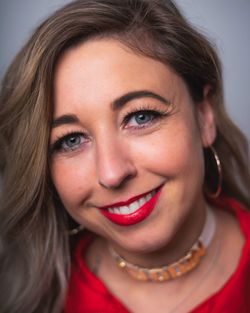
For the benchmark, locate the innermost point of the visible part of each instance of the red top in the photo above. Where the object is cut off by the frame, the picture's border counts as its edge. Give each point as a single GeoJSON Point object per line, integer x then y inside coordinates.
{"type": "Point", "coordinates": [88, 294]}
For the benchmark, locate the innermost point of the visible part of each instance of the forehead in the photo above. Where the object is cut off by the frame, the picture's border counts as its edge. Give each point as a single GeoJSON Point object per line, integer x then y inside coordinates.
{"type": "Point", "coordinates": [101, 70]}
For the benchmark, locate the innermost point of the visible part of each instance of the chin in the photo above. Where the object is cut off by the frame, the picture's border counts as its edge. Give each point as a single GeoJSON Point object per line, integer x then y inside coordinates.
{"type": "Point", "coordinates": [145, 242]}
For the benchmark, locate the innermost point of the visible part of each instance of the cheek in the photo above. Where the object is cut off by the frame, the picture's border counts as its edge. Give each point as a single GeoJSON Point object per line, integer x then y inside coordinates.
{"type": "Point", "coordinates": [171, 153]}
{"type": "Point", "coordinates": [69, 177]}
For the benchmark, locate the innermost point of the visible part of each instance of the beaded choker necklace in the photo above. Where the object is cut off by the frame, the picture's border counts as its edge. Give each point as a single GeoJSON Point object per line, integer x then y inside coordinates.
{"type": "Point", "coordinates": [168, 272]}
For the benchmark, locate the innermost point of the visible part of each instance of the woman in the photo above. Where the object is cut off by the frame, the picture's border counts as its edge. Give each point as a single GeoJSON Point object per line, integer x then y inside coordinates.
{"type": "Point", "coordinates": [112, 117]}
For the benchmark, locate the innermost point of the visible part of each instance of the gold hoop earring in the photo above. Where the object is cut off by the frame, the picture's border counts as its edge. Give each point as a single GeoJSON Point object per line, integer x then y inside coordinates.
{"type": "Point", "coordinates": [213, 173]}
{"type": "Point", "coordinates": [75, 230]}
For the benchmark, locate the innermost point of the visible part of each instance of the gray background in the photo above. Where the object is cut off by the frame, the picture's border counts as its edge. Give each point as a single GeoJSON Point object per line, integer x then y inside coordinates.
{"type": "Point", "coordinates": [226, 22]}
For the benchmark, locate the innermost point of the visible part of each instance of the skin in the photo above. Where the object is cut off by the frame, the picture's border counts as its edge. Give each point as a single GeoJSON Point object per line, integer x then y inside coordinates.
{"type": "Point", "coordinates": [114, 159]}
{"type": "Point", "coordinates": [119, 161]}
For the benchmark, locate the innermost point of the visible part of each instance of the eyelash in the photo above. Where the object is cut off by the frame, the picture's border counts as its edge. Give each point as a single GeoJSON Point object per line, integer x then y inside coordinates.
{"type": "Point", "coordinates": [155, 114]}
{"type": "Point", "coordinates": [57, 146]}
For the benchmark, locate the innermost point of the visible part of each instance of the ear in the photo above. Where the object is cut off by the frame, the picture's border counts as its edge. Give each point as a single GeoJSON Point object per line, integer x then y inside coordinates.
{"type": "Point", "coordinates": [206, 119]}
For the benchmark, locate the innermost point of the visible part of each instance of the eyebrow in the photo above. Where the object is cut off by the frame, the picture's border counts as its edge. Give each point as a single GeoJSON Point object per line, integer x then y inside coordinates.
{"type": "Point", "coordinates": [120, 102]}
{"type": "Point", "coordinates": [116, 104]}
{"type": "Point", "coordinates": [64, 120]}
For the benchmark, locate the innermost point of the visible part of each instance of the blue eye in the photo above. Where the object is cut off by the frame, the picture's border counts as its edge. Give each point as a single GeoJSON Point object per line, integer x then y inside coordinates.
{"type": "Point", "coordinates": [142, 118]}
{"type": "Point", "coordinates": [69, 142]}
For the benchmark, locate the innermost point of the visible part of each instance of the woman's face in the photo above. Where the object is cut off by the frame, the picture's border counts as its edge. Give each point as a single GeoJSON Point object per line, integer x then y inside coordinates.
{"type": "Point", "coordinates": [127, 144]}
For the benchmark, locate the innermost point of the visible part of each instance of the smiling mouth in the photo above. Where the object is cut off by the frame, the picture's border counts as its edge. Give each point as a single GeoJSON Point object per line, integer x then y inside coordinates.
{"type": "Point", "coordinates": [132, 211]}
{"type": "Point", "coordinates": [133, 207]}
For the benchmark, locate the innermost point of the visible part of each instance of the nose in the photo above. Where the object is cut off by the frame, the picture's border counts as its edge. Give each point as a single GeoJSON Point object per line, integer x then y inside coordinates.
{"type": "Point", "coordinates": [114, 164]}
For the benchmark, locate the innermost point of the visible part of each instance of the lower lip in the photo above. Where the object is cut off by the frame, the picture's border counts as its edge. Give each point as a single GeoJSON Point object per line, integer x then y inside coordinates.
{"type": "Point", "coordinates": [136, 217]}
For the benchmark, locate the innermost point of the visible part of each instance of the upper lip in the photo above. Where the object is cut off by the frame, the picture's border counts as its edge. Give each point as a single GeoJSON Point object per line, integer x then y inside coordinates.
{"type": "Point", "coordinates": [127, 202]}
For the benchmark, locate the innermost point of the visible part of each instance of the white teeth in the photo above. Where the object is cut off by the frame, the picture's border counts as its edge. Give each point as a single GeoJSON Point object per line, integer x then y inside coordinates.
{"type": "Point", "coordinates": [133, 206]}
{"type": "Point", "coordinates": [116, 210]}
{"type": "Point", "coordinates": [142, 201]}
{"type": "Point", "coordinates": [124, 210]}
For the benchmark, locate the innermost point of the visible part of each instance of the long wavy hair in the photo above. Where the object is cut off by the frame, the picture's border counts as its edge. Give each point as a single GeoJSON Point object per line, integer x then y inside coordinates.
{"type": "Point", "coordinates": [34, 245]}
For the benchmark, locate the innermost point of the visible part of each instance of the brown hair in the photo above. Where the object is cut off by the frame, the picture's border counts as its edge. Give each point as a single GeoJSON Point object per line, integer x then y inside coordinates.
{"type": "Point", "coordinates": [34, 248]}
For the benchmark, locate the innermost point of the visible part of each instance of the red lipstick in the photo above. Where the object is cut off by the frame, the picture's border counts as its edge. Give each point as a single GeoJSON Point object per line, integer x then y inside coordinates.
{"type": "Point", "coordinates": [132, 218]}
{"type": "Point", "coordinates": [125, 202]}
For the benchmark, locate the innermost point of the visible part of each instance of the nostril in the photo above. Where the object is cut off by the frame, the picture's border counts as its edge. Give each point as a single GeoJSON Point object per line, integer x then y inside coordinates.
{"type": "Point", "coordinates": [115, 176]}
{"type": "Point", "coordinates": [116, 183]}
